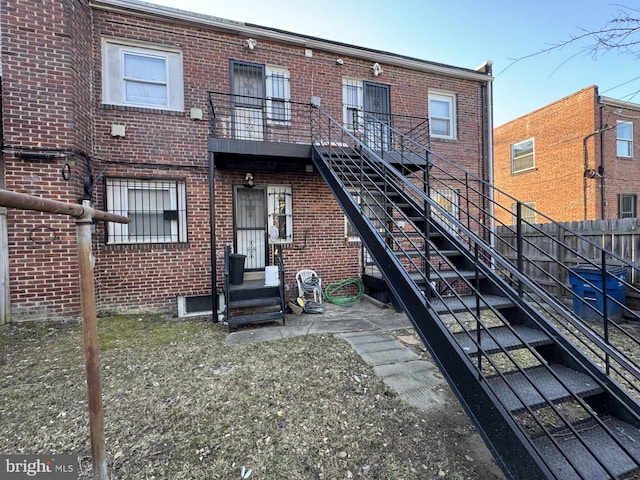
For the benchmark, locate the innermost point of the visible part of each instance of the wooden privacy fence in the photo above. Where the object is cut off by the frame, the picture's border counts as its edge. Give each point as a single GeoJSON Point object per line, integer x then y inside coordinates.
{"type": "Point", "coordinates": [546, 247]}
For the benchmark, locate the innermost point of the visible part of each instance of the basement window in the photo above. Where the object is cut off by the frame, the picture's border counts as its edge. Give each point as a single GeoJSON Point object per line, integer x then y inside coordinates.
{"type": "Point", "coordinates": [156, 210]}
{"type": "Point", "coordinates": [195, 305]}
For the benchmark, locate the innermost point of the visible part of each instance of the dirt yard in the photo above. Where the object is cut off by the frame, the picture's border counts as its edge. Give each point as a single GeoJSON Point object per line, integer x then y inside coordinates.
{"type": "Point", "coordinates": [180, 404]}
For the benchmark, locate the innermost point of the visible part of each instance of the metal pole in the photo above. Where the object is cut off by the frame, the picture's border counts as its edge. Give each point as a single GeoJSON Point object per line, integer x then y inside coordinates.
{"type": "Point", "coordinates": [85, 216]}
{"type": "Point", "coordinates": [92, 360]}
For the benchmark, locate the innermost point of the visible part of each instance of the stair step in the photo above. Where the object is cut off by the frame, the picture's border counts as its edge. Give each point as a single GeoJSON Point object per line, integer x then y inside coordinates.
{"type": "Point", "coordinates": [540, 379]}
{"type": "Point", "coordinates": [254, 302]}
{"type": "Point", "coordinates": [255, 318]}
{"type": "Point", "coordinates": [598, 440]}
{"type": "Point", "coordinates": [502, 338]}
{"type": "Point", "coordinates": [468, 302]}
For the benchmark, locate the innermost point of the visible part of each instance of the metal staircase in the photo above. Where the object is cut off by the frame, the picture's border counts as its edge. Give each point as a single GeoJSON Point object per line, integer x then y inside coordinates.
{"type": "Point", "coordinates": [552, 396]}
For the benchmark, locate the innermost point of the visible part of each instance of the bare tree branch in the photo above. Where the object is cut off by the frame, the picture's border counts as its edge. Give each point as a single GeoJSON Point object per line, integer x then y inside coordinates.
{"type": "Point", "coordinates": [620, 34]}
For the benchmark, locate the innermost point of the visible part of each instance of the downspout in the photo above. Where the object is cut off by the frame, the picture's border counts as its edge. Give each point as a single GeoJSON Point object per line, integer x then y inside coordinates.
{"type": "Point", "coordinates": [487, 67]}
{"type": "Point", "coordinates": [601, 170]}
{"type": "Point", "coordinates": [585, 159]}
{"type": "Point", "coordinates": [212, 239]}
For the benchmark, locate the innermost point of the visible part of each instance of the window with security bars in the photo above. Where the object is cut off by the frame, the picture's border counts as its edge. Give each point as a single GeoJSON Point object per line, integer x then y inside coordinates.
{"type": "Point", "coordinates": [280, 211]}
{"type": "Point", "coordinates": [278, 95]}
{"type": "Point", "coordinates": [156, 210]}
{"type": "Point", "coordinates": [627, 205]}
{"type": "Point", "coordinates": [353, 104]}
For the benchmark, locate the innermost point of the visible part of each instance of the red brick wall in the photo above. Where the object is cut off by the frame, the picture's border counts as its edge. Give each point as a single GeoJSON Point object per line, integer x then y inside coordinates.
{"type": "Point", "coordinates": [46, 50]}
{"type": "Point", "coordinates": [557, 184]}
{"type": "Point", "coordinates": [622, 174]}
{"type": "Point", "coordinates": [51, 102]}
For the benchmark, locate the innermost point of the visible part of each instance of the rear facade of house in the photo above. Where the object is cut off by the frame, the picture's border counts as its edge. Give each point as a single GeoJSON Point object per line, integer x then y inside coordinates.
{"type": "Point", "coordinates": [198, 129]}
{"type": "Point", "coordinates": [572, 160]}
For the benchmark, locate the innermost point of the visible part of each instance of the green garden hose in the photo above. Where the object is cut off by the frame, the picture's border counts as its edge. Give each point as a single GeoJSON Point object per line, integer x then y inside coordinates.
{"type": "Point", "coordinates": [331, 289]}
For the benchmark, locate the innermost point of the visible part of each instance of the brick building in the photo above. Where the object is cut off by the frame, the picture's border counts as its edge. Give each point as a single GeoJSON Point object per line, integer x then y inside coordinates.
{"type": "Point", "coordinates": [571, 160]}
{"type": "Point", "coordinates": [198, 129]}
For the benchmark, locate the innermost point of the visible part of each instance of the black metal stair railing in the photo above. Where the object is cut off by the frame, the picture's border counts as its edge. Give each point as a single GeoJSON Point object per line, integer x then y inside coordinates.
{"type": "Point", "coordinates": [387, 194]}
{"type": "Point", "coordinates": [482, 208]}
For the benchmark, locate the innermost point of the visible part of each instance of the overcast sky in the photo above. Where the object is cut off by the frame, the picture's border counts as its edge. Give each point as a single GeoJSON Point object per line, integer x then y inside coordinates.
{"type": "Point", "coordinates": [463, 33]}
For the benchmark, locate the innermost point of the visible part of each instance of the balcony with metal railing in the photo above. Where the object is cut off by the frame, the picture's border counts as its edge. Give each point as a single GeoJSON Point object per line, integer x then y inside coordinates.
{"type": "Point", "coordinates": [246, 125]}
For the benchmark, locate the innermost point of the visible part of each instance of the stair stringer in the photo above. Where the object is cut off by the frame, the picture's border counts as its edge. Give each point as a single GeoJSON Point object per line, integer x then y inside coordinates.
{"type": "Point", "coordinates": [516, 455]}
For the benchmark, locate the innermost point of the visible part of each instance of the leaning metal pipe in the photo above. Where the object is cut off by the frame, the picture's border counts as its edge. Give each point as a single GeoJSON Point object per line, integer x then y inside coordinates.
{"type": "Point", "coordinates": [84, 215]}
{"type": "Point", "coordinates": [29, 202]}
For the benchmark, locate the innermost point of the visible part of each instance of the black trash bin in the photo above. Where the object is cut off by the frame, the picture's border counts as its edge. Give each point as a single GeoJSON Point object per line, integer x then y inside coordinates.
{"type": "Point", "coordinates": [236, 268]}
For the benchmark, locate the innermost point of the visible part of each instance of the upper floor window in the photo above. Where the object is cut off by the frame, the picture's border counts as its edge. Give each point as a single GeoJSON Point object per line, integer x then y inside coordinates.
{"type": "Point", "coordinates": [141, 75]}
{"type": "Point", "coordinates": [624, 139]}
{"type": "Point", "coordinates": [442, 115]}
{"type": "Point", "coordinates": [522, 156]}
{"type": "Point", "coordinates": [156, 210]}
{"type": "Point", "coordinates": [352, 104]}
{"type": "Point", "coordinates": [627, 205]}
{"type": "Point", "coordinates": [278, 94]}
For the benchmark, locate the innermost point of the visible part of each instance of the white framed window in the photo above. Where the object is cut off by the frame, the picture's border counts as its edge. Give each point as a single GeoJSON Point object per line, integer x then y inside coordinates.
{"type": "Point", "coordinates": [280, 213]}
{"type": "Point", "coordinates": [352, 104]}
{"type": "Point", "coordinates": [527, 212]}
{"type": "Point", "coordinates": [624, 139]}
{"type": "Point", "coordinates": [522, 156]}
{"type": "Point", "coordinates": [141, 75]}
{"type": "Point", "coordinates": [278, 94]}
{"type": "Point", "coordinates": [442, 115]}
{"type": "Point", "coordinates": [156, 210]}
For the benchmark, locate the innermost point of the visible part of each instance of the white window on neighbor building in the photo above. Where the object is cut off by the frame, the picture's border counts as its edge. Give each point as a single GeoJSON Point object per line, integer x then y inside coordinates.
{"type": "Point", "coordinates": [280, 213]}
{"type": "Point", "coordinates": [141, 75]}
{"type": "Point", "coordinates": [442, 115]}
{"type": "Point", "coordinates": [352, 104]}
{"type": "Point", "coordinates": [624, 139]}
{"type": "Point", "coordinates": [527, 212]}
{"type": "Point", "coordinates": [156, 210]}
{"type": "Point", "coordinates": [278, 94]}
{"type": "Point", "coordinates": [522, 156]}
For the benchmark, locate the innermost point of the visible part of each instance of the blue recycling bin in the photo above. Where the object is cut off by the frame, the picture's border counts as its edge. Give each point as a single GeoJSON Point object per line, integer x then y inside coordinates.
{"type": "Point", "coordinates": [588, 303]}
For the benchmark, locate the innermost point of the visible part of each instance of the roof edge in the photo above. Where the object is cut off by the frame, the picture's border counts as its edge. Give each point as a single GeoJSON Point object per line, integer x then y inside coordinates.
{"type": "Point", "coordinates": [151, 11]}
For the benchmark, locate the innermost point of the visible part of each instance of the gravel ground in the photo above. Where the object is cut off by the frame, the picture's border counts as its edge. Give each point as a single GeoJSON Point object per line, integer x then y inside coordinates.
{"type": "Point", "coordinates": [180, 404]}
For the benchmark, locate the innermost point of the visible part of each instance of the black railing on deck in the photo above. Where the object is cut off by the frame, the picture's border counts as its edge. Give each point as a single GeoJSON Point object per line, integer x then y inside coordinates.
{"type": "Point", "coordinates": [241, 117]}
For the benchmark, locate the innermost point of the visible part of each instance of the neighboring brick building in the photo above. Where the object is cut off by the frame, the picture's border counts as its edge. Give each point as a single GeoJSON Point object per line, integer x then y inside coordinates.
{"type": "Point", "coordinates": [572, 160]}
{"type": "Point", "coordinates": [110, 100]}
